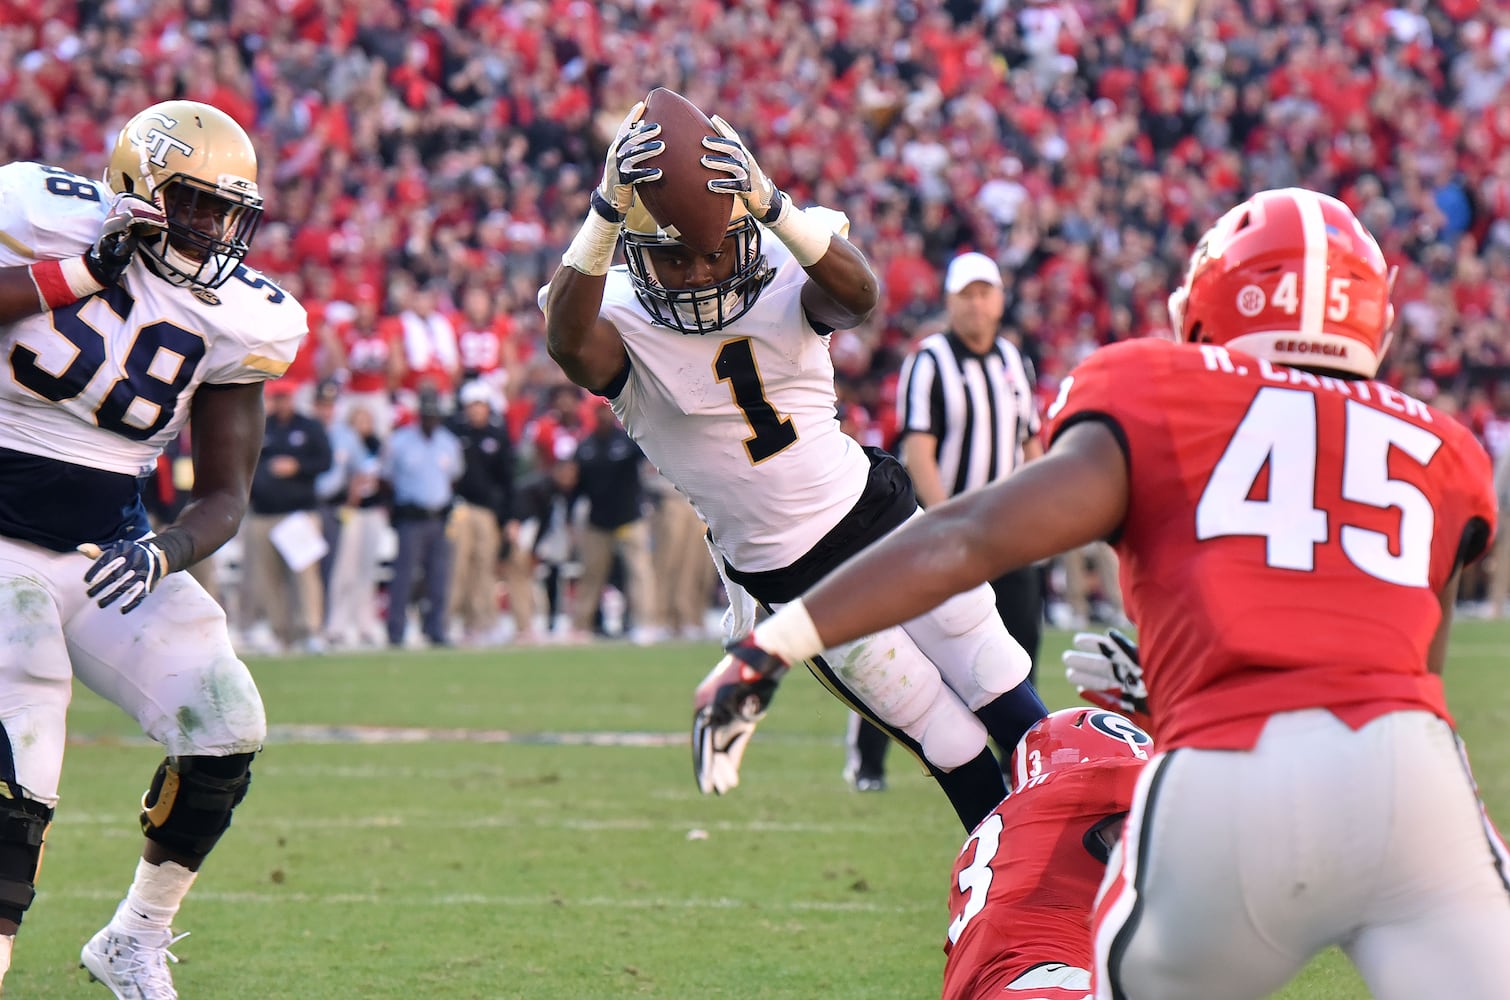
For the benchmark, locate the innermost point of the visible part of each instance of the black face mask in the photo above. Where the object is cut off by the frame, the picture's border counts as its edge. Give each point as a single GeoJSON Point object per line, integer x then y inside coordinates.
{"type": "Point", "coordinates": [194, 252]}
{"type": "Point", "coordinates": [699, 310]}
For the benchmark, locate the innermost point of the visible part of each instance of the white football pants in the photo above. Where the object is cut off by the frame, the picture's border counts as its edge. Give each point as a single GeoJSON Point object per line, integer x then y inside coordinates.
{"type": "Point", "coordinates": [926, 678]}
{"type": "Point", "coordinates": [168, 664]}
{"type": "Point", "coordinates": [1237, 867]}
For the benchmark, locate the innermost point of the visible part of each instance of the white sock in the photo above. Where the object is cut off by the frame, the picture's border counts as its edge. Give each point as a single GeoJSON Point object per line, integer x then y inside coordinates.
{"type": "Point", "coordinates": [7, 942]}
{"type": "Point", "coordinates": [155, 896]}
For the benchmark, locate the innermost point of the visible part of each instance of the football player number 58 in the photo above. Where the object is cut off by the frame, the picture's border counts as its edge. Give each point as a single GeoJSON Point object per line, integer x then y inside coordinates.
{"type": "Point", "coordinates": [1279, 431]}
{"type": "Point", "coordinates": [159, 362]}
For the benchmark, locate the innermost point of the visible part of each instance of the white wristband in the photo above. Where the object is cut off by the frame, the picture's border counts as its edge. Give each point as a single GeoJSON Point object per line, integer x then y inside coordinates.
{"type": "Point", "coordinates": [806, 237]}
{"type": "Point", "coordinates": [790, 634]}
{"type": "Point", "coordinates": [62, 282]}
{"type": "Point", "coordinates": [591, 250]}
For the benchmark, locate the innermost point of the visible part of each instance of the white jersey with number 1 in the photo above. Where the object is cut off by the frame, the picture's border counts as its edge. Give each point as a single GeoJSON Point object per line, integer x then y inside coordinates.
{"type": "Point", "coordinates": [744, 420]}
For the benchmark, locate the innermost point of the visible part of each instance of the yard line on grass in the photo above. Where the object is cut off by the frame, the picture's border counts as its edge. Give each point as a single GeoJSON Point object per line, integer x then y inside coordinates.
{"type": "Point", "coordinates": [328, 735]}
{"type": "Point", "coordinates": [310, 735]}
{"type": "Point", "coordinates": [444, 900]}
{"type": "Point", "coordinates": [421, 821]}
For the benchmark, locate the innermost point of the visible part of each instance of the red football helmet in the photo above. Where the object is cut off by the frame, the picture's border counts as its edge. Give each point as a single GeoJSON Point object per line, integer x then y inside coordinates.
{"type": "Point", "coordinates": [1074, 736]}
{"type": "Point", "coordinates": [1290, 276]}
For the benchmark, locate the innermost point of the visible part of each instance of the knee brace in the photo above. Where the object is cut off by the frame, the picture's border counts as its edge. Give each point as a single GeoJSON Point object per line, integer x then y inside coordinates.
{"type": "Point", "coordinates": [189, 804]}
{"type": "Point", "coordinates": [23, 827]}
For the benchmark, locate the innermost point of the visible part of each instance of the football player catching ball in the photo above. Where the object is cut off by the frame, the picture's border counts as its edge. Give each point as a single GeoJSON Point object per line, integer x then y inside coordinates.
{"type": "Point", "coordinates": [717, 364]}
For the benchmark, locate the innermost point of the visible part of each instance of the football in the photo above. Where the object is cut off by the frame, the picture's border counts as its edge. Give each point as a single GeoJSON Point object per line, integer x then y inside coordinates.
{"type": "Point", "coordinates": [680, 201]}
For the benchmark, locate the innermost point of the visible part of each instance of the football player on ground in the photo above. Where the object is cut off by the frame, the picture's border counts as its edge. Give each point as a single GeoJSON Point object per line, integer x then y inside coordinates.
{"type": "Point", "coordinates": [718, 366]}
{"type": "Point", "coordinates": [1292, 535]}
{"type": "Point", "coordinates": [126, 312]}
{"type": "Point", "coordinates": [1024, 884]}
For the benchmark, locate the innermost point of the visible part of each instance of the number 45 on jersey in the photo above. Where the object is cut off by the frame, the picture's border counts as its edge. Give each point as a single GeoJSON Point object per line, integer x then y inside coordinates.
{"type": "Point", "coordinates": [1279, 432]}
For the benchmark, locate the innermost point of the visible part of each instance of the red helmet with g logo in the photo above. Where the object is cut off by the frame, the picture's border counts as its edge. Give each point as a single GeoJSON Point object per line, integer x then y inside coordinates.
{"type": "Point", "coordinates": [1072, 737]}
{"type": "Point", "coordinates": [1290, 276]}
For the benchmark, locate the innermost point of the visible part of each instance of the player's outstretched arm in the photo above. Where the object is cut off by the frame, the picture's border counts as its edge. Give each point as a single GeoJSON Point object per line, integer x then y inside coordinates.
{"type": "Point", "coordinates": [588, 348]}
{"type": "Point", "coordinates": [1074, 495]}
{"type": "Point", "coordinates": [228, 426]}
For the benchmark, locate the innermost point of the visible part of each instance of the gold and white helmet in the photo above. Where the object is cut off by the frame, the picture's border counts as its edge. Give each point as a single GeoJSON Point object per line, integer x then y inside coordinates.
{"type": "Point", "coordinates": [694, 310]}
{"type": "Point", "coordinates": [199, 167]}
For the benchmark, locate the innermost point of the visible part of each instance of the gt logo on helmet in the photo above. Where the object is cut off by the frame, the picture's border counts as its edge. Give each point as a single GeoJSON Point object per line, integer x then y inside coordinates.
{"type": "Point", "coordinates": [158, 143]}
{"type": "Point", "coordinates": [155, 142]}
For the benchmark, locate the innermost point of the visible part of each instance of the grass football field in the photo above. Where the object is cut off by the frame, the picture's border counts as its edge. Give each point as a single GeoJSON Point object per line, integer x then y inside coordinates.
{"type": "Point", "coordinates": [517, 824]}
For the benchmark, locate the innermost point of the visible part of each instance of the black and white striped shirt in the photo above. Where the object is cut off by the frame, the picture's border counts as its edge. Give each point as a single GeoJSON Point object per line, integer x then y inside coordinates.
{"type": "Point", "coordinates": [979, 406]}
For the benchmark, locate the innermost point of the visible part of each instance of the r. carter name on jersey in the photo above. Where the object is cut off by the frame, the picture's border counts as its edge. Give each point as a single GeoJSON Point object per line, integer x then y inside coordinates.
{"type": "Point", "coordinates": [1218, 360]}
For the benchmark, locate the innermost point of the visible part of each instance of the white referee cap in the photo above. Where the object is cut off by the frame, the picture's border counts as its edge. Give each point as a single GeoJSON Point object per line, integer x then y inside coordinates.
{"type": "Point", "coordinates": [968, 268]}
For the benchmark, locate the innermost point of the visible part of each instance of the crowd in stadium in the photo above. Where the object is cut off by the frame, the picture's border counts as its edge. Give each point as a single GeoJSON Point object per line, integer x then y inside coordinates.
{"type": "Point", "coordinates": [425, 163]}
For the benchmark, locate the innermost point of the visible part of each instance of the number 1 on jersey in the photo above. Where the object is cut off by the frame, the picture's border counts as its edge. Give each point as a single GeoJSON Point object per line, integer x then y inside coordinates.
{"type": "Point", "coordinates": [772, 433]}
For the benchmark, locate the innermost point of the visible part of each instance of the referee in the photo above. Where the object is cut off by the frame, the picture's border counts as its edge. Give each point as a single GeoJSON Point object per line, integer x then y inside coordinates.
{"type": "Point", "coordinates": [967, 417]}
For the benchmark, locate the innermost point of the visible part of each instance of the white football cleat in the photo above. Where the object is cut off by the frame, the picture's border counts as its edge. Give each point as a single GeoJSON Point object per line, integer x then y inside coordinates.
{"type": "Point", "coordinates": [132, 964]}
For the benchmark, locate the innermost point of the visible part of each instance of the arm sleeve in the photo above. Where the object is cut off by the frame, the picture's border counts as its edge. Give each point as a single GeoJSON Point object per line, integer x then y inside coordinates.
{"type": "Point", "coordinates": [264, 340]}
{"type": "Point", "coordinates": [37, 223]}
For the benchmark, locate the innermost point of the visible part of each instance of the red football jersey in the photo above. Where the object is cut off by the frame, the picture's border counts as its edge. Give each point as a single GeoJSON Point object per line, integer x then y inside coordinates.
{"type": "Point", "coordinates": [1286, 537]}
{"type": "Point", "coordinates": [1024, 884]}
{"type": "Point", "coordinates": [367, 354]}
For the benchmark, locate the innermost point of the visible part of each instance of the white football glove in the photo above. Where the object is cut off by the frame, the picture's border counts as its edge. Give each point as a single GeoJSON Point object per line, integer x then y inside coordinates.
{"type": "Point", "coordinates": [746, 181]}
{"type": "Point", "coordinates": [130, 220]}
{"type": "Point", "coordinates": [633, 146]}
{"type": "Point", "coordinates": [728, 704]}
{"type": "Point", "coordinates": [1106, 672]}
{"type": "Point", "coordinates": [125, 571]}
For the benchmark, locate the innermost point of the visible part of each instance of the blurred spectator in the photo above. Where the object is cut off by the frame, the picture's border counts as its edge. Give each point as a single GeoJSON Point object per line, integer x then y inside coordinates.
{"type": "Point", "coordinates": [421, 462]}
{"type": "Point", "coordinates": [557, 430]}
{"type": "Point", "coordinates": [609, 467]}
{"type": "Point", "coordinates": [1089, 571]}
{"type": "Point", "coordinates": [331, 485]}
{"type": "Point", "coordinates": [683, 566]}
{"type": "Point", "coordinates": [282, 541]}
{"type": "Point", "coordinates": [353, 618]}
{"type": "Point", "coordinates": [371, 362]}
{"type": "Point", "coordinates": [430, 353]}
{"type": "Point", "coordinates": [543, 503]}
{"type": "Point", "coordinates": [485, 345]}
{"type": "Point", "coordinates": [482, 516]}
